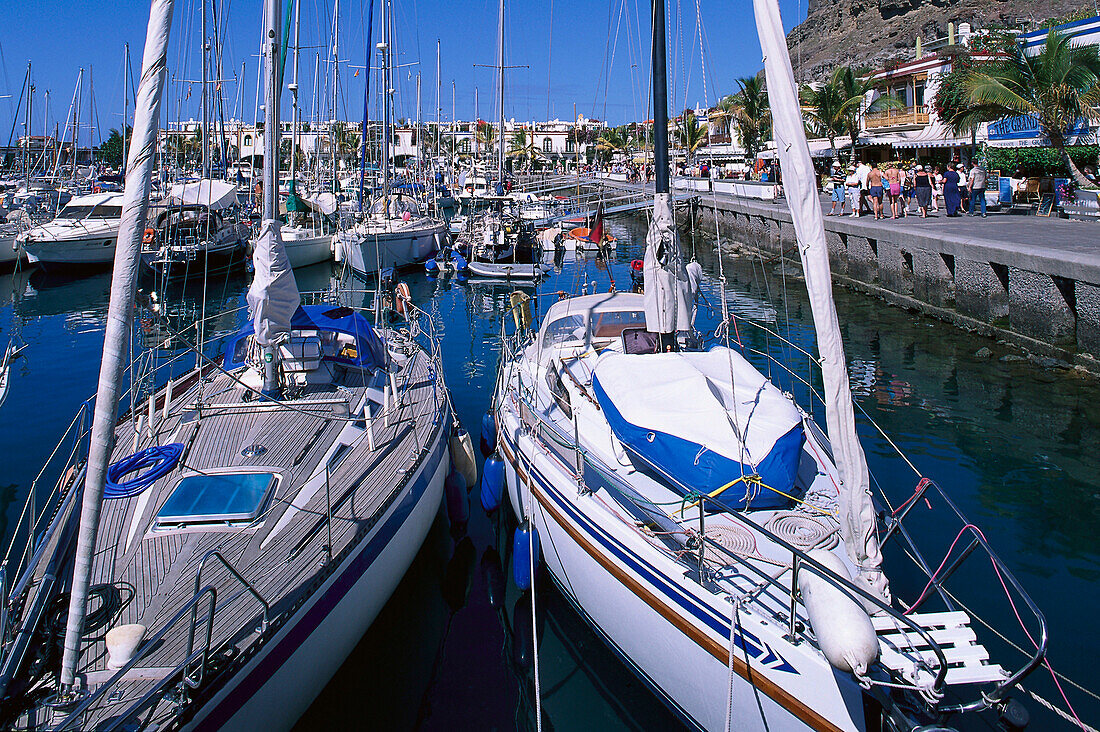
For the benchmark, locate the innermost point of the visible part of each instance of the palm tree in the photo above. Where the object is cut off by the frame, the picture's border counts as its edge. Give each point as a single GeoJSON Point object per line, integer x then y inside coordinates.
{"type": "Point", "coordinates": [751, 115]}
{"type": "Point", "coordinates": [690, 134]}
{"type": "Point", "coordinates": [613, 140]}
{"type": "Point", "coordinates": [853, 87]}
{"type": "Point", "coordinates": [486, 135]}
{"type": "Point", "coordinates": [522, 146]}
{"type": "Point", "coordinates": [823, 107]}
{"type": "Point", "coordinates": [1058, 86]}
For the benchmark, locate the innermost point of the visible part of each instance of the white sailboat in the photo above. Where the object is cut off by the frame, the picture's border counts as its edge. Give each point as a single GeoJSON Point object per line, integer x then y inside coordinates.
{"type": "Point", "coordinates": [393, 231]}
{"type": "Point", "coordinates": [700, 520]}
{"type": "Point", "coordinates": [238, 530]}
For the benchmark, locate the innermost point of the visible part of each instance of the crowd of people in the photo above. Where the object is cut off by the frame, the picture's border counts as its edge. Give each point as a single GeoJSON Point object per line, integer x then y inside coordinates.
{"type": "Point", "coordinates": [898, 191]}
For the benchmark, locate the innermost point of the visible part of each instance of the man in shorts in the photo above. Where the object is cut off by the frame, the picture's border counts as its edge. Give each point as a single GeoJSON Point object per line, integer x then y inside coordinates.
{"type": "Point", "coordinates": [874, 183]}
{"type": "Point", "coordinates": [836, 177]}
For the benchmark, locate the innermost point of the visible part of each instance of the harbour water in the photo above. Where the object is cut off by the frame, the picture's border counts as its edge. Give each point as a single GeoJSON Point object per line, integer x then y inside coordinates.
{"type": "Point", "coordinates": [1015, 445]}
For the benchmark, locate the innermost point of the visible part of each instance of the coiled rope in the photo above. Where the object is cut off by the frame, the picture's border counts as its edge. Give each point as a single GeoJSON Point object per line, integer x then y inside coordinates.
{"type": "Point", "coordinates": [156, 461]}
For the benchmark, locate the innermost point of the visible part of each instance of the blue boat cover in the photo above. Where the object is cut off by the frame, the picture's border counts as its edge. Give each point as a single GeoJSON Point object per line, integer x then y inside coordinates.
{"type": "Point", "coordinates": [701, 421]}
{"type": "Point", "coordinates": [371, 352]}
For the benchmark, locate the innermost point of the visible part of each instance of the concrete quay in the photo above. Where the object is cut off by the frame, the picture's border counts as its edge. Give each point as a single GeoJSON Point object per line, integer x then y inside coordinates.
{"type": "Point", "coordinates": [1028, 280]}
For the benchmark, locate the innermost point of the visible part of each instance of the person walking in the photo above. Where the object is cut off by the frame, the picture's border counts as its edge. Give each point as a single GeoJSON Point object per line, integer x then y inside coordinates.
{"type": "Point", "coordinates": [922, 189]}
{"type": "Point", "coordinates": [951, 195]}
{"type": "Point", "coordinates": [976, 182]}
{"type": "Point", "coordinates": [874, 182]}
{"type": "Point", "coordinates": [863, 171]}
{"type": "Point", "coordinates": [893, 189]}
{"type": "Point", "coordinates": [836, 177]}
{"type": "Point", "coordinates": [937, 187]}
{"type": "Point", "coordinates": [855, 193]}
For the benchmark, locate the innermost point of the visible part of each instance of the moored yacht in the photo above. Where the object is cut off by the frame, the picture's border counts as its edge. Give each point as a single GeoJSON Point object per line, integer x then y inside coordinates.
{"type": "Point", "coordinates": [83, 232]}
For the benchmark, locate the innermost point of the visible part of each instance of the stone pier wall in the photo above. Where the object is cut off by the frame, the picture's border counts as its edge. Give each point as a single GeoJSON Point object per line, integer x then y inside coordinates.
{"type": "Point", "coordinates": [1046, 303]}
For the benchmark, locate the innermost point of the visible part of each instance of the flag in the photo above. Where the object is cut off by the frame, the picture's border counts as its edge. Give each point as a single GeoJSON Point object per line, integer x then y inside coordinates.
{"type": "Point", "coordinates": [596, 234]}
{"type": "Point", "coordinates": [356, 73]}
{"type": "Point", "coordinates": [188, 92]}
{"type": "Point", "coordinates": [218, 87]}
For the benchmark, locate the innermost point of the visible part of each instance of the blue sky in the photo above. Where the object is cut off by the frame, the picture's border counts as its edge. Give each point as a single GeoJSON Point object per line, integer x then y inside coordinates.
{"type": "Point", "coordinates": [592, 54]}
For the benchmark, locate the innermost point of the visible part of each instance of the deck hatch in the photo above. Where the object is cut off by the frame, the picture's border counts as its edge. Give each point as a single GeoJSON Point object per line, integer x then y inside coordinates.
{"type": "Point", "coordinates": [217, 498]}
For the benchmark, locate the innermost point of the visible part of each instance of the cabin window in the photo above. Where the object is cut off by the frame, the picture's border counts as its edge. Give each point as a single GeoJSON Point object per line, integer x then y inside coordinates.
{"type": "Point", "coordinates": [217, 498]}
{"type": "Point", "coordinates": [611, 324]}
{"type": "Point", "coordinates": [568, 328]}
{"type": "Point", "coordinates": [559, 392]}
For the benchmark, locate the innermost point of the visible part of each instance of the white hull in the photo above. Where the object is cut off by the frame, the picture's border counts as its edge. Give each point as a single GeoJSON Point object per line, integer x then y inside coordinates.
{"type": "Point", "coordinates": [95, 249]}
{"type": "Point", "coordinates": [9, 250]}
{"type": "Point", "coordinates": [308, 250]}
{"type": "Point", "coordinates": [288, 686]}
{"type": "Point", "coordinates": [506, 271]}
{"type": "Point", "coordinates": [366, 250]}
{"type": "Point", "coordinates": [674, 636]}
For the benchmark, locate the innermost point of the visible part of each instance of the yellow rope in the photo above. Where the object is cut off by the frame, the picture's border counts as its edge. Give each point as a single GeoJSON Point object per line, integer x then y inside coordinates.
{"type": "Point", "coordinates": [754, 480]}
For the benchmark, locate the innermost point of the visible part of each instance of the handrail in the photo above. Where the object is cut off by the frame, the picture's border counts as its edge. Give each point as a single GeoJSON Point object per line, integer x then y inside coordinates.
{"type": "Point", "coordinates": [216, 554]}
{"type": "Point", "coordinates": [190, 605]}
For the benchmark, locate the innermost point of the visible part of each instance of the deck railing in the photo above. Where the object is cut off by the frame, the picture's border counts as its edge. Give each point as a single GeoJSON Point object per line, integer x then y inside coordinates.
{"type": "Point", "coordinates": [901, 117]}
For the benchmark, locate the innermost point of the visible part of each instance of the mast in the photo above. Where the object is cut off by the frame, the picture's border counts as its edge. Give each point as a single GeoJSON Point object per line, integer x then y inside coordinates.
{"type": "Point", "coordinates": [453, 173]}
{"type": "Point", "coordinates": [335, 86]}
{"type": "Point", "coordinates": [668, 301]}
{"type": "Point", "coordinates": [27, 132]}
{"type": "Point", "coordinates": [383, 48]}
{"type": "Point", "coordinates": [135, 204]}
{"type": "Point", "coordinates": [295, 114]}
{"type": "Point", "coordinates": [205, 102]}
{"type": "Point", "coordinates": [125, 94]}
{"type": "Point", "coordinates": [857, 514]}
{"type": "Point", "coordinates": [438, 109]}
{"type": "Point", "coordinates": [416, 130]}
{"type": "Point", "coordinates": [76, 119]}
{"type": "Point", "coordinates": [366, 108]}
{"type": "Point", "coordinates": [271, 112]}
{"type": "Point", "coordinates": [500, 94]}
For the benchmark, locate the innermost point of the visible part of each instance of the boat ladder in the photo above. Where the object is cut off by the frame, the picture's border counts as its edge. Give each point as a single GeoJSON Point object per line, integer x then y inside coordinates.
{"type": "Point", "coordinates": [908, 654]}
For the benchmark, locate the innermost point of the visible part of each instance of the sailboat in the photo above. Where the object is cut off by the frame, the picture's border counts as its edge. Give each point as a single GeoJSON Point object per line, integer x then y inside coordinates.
{"type": "Point", "coordinates": [229, 539]}
{"type": "Point", "coordinates": [393, 231]}
{"type": "Point", "coordinates": [722, 543]}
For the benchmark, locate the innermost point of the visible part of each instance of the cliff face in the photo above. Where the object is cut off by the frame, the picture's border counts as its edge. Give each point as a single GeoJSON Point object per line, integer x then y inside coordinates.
{"type": "Point", "coordinates": [871, 32]}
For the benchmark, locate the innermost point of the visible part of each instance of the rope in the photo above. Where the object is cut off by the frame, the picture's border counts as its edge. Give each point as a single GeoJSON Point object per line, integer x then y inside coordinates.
{"type": "Point", "coordinates": [159, 459]}
{"type": "Point", "coordinates": [805, 532]}
{"type": "Point", "coordinates": [735, 622]}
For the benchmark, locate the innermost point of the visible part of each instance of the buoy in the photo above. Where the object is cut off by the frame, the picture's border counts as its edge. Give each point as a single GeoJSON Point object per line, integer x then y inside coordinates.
{"type": "Point", "coordinates": [492, 482]}
{"type": "Point", "coordinates": [462, 455]}
{"type": "Point", "coordinates": [525, 547]}
{"type": "Point", "coordinates": [402, 298]}
{"type": "Point", "coordinates": [458, 505]}
{"type": "Point", "coordinates": [488, 434]}
{"type": "Point", "coordinates": [494, 577]}
{"type": "Point", "coordinates": [461, 265]}
{"type": "Point", "coordinates": [458, 575]}
{"type": "Point", "coordinates": [843, 629]}
{"type": "Point", "coordinates": [431, 267]}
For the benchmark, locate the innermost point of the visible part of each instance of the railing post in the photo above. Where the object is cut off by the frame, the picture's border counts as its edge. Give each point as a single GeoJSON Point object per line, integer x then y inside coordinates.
{"type": "Point", "coordinates": [792, 630]}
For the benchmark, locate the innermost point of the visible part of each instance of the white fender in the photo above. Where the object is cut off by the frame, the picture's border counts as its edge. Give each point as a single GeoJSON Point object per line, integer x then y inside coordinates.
{"type": "Point", "coordinates": [462, 455]}
{"type": "Point", "coordinates": [843, 629]}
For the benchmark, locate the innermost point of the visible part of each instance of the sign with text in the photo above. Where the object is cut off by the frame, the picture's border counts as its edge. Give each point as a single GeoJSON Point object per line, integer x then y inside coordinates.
{"type": "Point", "coordinates": [1026, 127]}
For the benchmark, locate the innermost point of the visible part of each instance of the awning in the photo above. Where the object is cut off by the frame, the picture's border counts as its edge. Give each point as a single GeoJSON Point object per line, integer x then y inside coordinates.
{"type": "Point", "coordinates": [213, 194]}
{"type": "Point", "coordinates": [934, 135]}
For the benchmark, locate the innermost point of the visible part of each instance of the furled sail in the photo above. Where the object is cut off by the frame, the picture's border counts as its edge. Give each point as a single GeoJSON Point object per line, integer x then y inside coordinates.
{"type": "Point", "coordinates": [667, 291]}
{"type": "Point", "coordinates": [800, 182]}
{"type": "Point", "coordinates": [273, 296]}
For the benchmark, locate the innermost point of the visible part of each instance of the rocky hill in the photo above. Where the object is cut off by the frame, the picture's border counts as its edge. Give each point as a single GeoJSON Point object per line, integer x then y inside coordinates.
{"type": "Point", "coordinates": [872, 32]}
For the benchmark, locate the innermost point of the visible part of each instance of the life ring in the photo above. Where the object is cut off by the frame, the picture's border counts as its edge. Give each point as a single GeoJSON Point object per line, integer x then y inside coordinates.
{"type": "Point", "coordinates": [149, 236]}
{"type": "Point", "coordinates": [401, 297]}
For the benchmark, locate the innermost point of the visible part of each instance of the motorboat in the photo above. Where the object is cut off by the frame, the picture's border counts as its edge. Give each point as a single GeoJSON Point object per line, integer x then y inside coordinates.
{"type": "Point", "coordinates": [504, 246]}
{"type": "Point", "coordinates": [197, 233]}
{"type": "Point", "coordinates": [84, 232]}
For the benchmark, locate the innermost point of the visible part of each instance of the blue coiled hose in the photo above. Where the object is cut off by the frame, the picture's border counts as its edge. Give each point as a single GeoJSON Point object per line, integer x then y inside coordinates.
{"type": "Point", "coordinates": [156, 461]}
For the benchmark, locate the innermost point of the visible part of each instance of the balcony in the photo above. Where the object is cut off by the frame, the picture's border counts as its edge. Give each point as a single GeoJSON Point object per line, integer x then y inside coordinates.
{"type": "Point", "coordinates": [902, 117]}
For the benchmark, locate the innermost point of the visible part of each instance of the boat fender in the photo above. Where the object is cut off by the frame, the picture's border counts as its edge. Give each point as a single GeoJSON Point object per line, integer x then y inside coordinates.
{"type": "Point", "coordinates": [521, 309]}
{"type": "Point", "coordinates": [492, 483]}
{"type": "Point", "coordinates": [488, 434]}
{"type": "Point", "coordinates": [149, 236]}
{"type": "Point", "coordinates": [460, 262]}
{"type": "Point", "coordinates": [462, 455]}
{"type": "Point", "coordinates": [438, 238]}
{"type": "Point", "coordinates": [843, 629]}
{"type": "Point", "coordinates": [402, 298]}
{"type": "Point", "coordinates": [338, 249]}
{"type": "Point", "coordinates": [431, 266]}
{"type": "Point", "coordinates": [522, 645]}
{"type": "Point", "coordinates": [525, 548]}
{"type": "Point", "coordinates": [494, 577]}
{"type": "Point", "coordinates": [458, 505]}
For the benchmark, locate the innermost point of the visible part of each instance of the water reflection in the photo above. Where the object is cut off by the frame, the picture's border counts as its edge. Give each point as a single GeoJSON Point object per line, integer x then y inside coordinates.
{"type": "Point", "coordinates": [1017, 446]}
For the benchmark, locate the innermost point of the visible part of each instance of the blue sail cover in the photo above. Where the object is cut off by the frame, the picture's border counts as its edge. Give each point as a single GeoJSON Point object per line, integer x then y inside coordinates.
{"type": "Point", "coordinates": [679, 416]}
{"type": "Point", "coordinates": [371, 352]}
